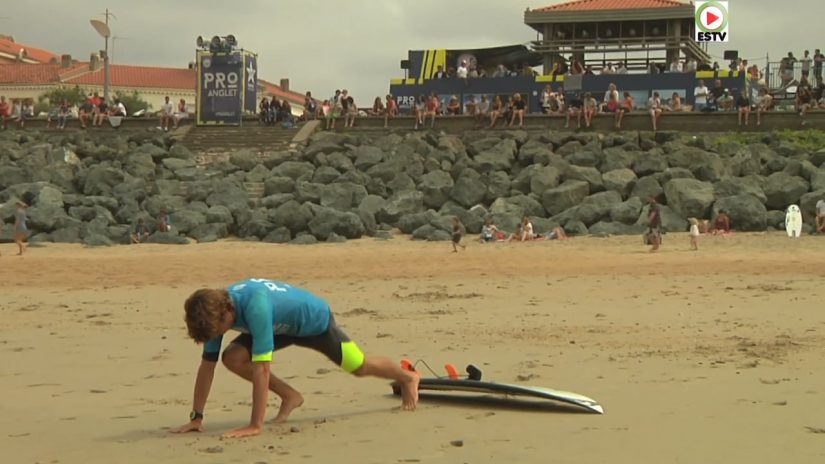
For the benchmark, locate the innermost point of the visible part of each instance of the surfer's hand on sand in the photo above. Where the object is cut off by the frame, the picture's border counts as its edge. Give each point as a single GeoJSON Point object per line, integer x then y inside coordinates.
{"type": "Point", "coordinates": [247, 431]}
{"type": "Point", "coordinates": [194, 426]}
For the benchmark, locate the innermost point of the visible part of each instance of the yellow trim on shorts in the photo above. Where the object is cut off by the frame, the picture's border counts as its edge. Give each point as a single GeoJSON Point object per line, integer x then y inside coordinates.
{"type": "Point", "coordinates": [352, 358]}
{"type": "Point", "coordinates": [266, 357]}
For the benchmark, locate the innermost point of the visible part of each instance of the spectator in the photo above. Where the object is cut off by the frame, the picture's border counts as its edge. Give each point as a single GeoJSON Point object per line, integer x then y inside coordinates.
{"type": "Point", "coordinates": [102, 112]}
{"type": "Point", "coordinates": [378, 108]}
{"type": "Point", "coordinates": [482, 110]}
{"type": "Point", "coordinates": [182, 113]}
{"type": "Point", "coordinates": [691, 66]}
{"type": "Point", "coordinates": [285, 114]}
{"type": "Point", "coordinates": [575, 109]}
{"type": "Point", "coordinates": [764, 104]}
{"type": "Point", "coordinates": [62, 114]}
{"type": "Point", "coordinates": [265, 116]}
{"type": "Point", "coordinates": [803, 101]}
{"type": "Point", "coordinates": [495, 111]}
{"type": "Point", "coordinates": [675, 103]}
{"type": "Point", "coordinates": [167, 111]}
{"type": "Point", "coordinates": [609, 69]}
{"type": "Point", "coordinates": [726, 102]}
{"type": "Point", "coordinates": [96, 102]}
{"type": "Point", "coordinates": [820, 216]}
{"type": "Point", "coordinates": [86, 112]}
{"type": "Point", "coordinates": [556, 71]}
{"type": "Point", "coordinates": [576, 67]}
{"type": "Point", "coordinates": [509, 110]}
{"type": "Point", "coordinates": [141, 232]}
{"type": "Point", "coordinates": [715, 94]}
{"type": "Point", "coordinates": [588, 71]}
{"type": "Point", "coordinates": [627, 106]}
{"type": "Point", "coordinates": [274, 111]}
{"type": "Point", "coordinates": [439, 73]}
{"type": "Point", "coordinates": [310, 107]}
{"type": "Point", "coordinates": [500, 71]}
{"type": "Point", "coordinates": [622, 68]}
{"type": "Point", "coordinates": [590, 109]}
{"type": "Point", "coordinates": [743, 105]}
{"type": "Point", "coordinates": [391, 110]}
{"type": "Point", "coordinates": [431, 106]}
{"type": "Point", "coordinates": [525, 231]}
{"type": "Point", "coordinates": [462, 72]}
{"type": "Point", "coordinates": [327, 112]}
{"type": "Point", "coordinates": [721, 225]}
{"type": "Point", "coordinates": [16, 112]}
{"type": "Point", "coordinates": [458, 231]}
{"type": "Point", "coordinates": [489, 230]}
{"type": "Point", "coordinates": [5, 112]}
{"type": "Point", "coordinates": [715, 67]}
{"type": "Point", "coordinates": [818, 59]}
{"type": "Point", "coordinates": [786, 69]}
{"type": "Point", "coordinates": [546, 96]}
{"type": "Point", "coordinates": [676, 66]}
{"type": "Point", "coordinates": [610, 104]}
{"type": "Point", "coordinates": [337, 108]}
{"type": "Point", "coordinates": [20, 226]}
{"type": "Point", "coordinates": [700, 95]}
{"type": "Point", "coordinates": [118, 109]}
{"type": "Point", "coordinates": [26, 113]}
{"type": "Point", "coordinates": [453, 107]}
{"type": "Point", "coordinates": [805, 63]}
{"type": "Point", "coordinates": [164, 221]}
{"type": "Point", "coordinates": [654, 224]}
{"type": "Point", "coordinates": [482, 73]}
{"type": "Point", "coordinates": [654, 107]}
{"type": "Point", "coordinates": [472, 71]}
{"type": "Point", "coordinates": [420, 111]}
{"type": "Point", "coordinates": [471, 107]}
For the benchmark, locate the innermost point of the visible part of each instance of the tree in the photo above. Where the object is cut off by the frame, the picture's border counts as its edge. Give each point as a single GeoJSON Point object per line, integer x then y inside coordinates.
{"type": "Point", "coordinates": [133, 102]}
{"type": "Point", "coordinates": [52, 98]}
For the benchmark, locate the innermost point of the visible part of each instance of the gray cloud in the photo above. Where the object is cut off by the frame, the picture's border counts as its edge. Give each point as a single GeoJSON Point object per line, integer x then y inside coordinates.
{"type": "Point", "coordinates": [322, 45]}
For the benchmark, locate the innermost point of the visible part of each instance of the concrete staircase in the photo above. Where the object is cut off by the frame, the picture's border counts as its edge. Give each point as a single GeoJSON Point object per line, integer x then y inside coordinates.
{"type": "Point", "coordinates": [214, 143]}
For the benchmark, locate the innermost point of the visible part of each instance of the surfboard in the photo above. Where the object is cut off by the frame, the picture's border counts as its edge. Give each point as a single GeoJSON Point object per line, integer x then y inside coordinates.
{"type": "Point", "coordinates": [793, 221]}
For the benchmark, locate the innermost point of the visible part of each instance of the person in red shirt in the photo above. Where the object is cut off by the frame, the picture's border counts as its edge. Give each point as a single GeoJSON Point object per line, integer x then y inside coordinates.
{"type": "Point", "coordinates": [4, 112]}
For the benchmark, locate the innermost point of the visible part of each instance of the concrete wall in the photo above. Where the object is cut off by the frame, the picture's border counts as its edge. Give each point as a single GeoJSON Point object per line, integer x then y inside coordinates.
{"type": "Point", "coordinates": [153, 96]}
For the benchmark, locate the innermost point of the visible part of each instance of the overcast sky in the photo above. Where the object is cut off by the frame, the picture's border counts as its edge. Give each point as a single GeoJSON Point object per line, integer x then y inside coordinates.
{"type": "Point", "coordinates": [322, 45]}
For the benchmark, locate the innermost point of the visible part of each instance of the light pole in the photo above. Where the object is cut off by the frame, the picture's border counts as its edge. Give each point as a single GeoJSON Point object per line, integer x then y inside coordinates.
{"type": "Point", "coordinates": [102, 28]}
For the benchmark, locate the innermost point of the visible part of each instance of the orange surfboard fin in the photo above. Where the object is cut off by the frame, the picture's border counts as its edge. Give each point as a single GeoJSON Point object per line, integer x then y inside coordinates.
{"type": "Point", "coordinates": [452, 372]}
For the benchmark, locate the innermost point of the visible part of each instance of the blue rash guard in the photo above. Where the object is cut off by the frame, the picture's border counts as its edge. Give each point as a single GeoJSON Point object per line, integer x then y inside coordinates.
{"type": "Point", "coordinates": [267, 308]}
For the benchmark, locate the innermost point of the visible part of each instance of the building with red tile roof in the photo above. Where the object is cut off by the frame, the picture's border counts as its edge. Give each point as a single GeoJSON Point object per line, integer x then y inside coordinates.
{"type": "Point", "coordinates": [601, 5]}
{"type": "Point", "coordinates": [13, 52]}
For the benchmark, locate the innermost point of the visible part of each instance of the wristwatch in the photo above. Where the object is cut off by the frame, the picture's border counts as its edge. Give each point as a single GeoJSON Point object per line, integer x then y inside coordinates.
{"type": "Point", "coordinates": [195, 415]}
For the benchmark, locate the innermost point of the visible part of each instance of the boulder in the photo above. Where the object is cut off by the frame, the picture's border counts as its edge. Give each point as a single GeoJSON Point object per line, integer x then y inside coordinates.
{"type": "Point", "coordinates": [597, 207]}
{"type": "Point", "coordinates": [278, 184]}
{"type": "Point", "coordinates": [782, 190]}
{"type": "Point", "coordinates": [245, 159]}
{"type": "Point", "coordinates": [229, 193]}
{"type": "Point", "coordinates": [99, 180]}
{"type": "Point", "coordinates": [304, 239]}
{"type": "Point", "coordinates": [219, 215]}
{"type": "Point", "coordinates": [292, 215]}
{"type": "Point", "coordinates": [69, 234]}
{"type": "Point", "coordinates": [12, 175]}
{"type": "Point", "coordinates": [649, 162]}
{"type": "Point", "coordinates": [469, 189]}
{"type": "Point", "coordinates": [209, 232]}
{"type": "Point", "coordinates": [399, 205]}
{"type": "Point", "coordinates": [733, 186]}
{"type": "Point", "coordinates": [173, 164]}
{"type": "Point", "coordinates": [746, 212]}
{"type": "Point", "coordinates": [574, 228]}
{"type": "Point", "coordinates": [410, 222]}
{"type": "Point", "coordinates": [704, 165]}
{"type": "Point", "coordinates": [308, 192]}
{"type": "Point", "coordinates": [543, 178]}
{"type": "Point", "coordinates": [647, 188]}
{"type": "Point", "coordinates": [627, 212]}
{"type": "Point", "coordinates": [565, 196]}
{"type": "Point", "coordinates": [276, 200]}
{"type": "Point", "coordinates": [295, 170]}
{"type": "Point", "coordinates": [620, 180]}
{"type": "Point", "coordinates": [436, 187]}
{"type": "Point", "coordinates": [95, 240]}
{"type": "Point", "coordinates": [186, 220]}
{"type": "Point", "coordinates": [776, 220]}
{"type": "Point", "coordinates": [618, 158]}
{"type": "Point", "coordinates": [615, 228]}
{"type": "Point", "coordinates": [342, 196]}
{"type": "Point", "coordinates": [328, 220]}
{"type": "Point", "coordinates": [689, 197]}
{"type": "Point", "coordinates": [807, 204]}
{"type": "Point", "coordinates": [430, 233]}
{"type": "Point", "coordinates": [401, 183]}
{"type": "Point", "coordinates": [367, 157]}
{"type": "Point", "coordinates": [498, 185]}
{"type": "Point", "coordinates": [818, 179]}
{"type": "Point", "coordinates": [587, 174]}
{"type": "Point", "coordinates": [499, 157]}
{"type": "Point", "coordinates": [325, 175]}
{"type": "Point", "coordinates": [279, 235]}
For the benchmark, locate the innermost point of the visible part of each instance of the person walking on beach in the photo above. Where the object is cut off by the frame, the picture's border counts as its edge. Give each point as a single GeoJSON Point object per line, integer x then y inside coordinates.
{"type": "Point", "coordinates": [694, 234]}
{"type": "Point", "coordinates": [457, 233]}
{"type": "Point", "coordinates": [272, 315]}
{"type": "Point", "coordinates": [654, 225]}
{"type": "Point", "coordinates": [20, 228]}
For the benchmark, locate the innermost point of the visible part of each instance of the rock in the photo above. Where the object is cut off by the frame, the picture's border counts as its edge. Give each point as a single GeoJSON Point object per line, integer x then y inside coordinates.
{"type": "Point", "coordinates": [410, 222]}
{"type": "Point", "coordinates": [565, 196]}
{"type": "Point", "coordinates": [597, 207]}
{"type": "Point", "coordinates": [627, 212]}
{"type": "Point", "coordinates": [278, 184]}
{"type": "Point", "coordinates": [219, 214]}
{"type": "Point", "coordinates": [649, 162]}
{"type": "Point", "coordinates": [587, 174]}
{"type": "Point", "coordinates": [308, 192]}
{"type": "Point", "coordinates": [620, 180]}
{"type": "Point", "coordinates": [167, 238]}
{"type": "Point", "coordinates": [574, 228]}
{"type": "Point", "coordinates": [340, 162]}
{"type": "Point", "coordinates": [782, 190]}
{"type": "Point", "coordinates": [372, 204]}
{"type": "Point", "coordinates": [618, 158]}
{"type": "Point", "coordinates": [69, 234]}
{"type": "Point", "coordinates": [430, 233]}
{"type": "Point", "coordinates": [498, 185]}
{"type": "Point", "coordinates": [818, 158]}
{"type": "Point", "coordinates": [245, 159]}
{"type": "Point", "coordinates": [141, 165]}
{"type": "Point", "coordinates": [689, 197]}
{"type": "Point", "coordinates": [401, 183]}
{"type": "Point", "coordinates": [173, 164]}
{"type": "Point", "coordinates": [534, 152]}
{"type": "Point", "coordinates": [401, 204]}
{"type": "Point", "coordinates": [585, 158]}
{"type": "Point", "coordinates": [292, 215]}
{"type": "Point", "coordinates": [180, 151]}
{"type": "Point", "coordinates": [705, 166]}
{"type": "Point", "coordinates": [743, 162]}
{"type": "Point", "coordinates": [746, 212]}
{"type": "Point", "coordinates": [274, 201]}
{"type": "Point", "coordinates": [499, 157]}
{"type": "Point", "coordinates": [328, 220]}
{"type": "Point", "coordinates": [12, 175]}
{"type": "Point", "coordinates": [776, 219]}
{"type": "Point", "coordinates": [647, 188]}
{"type": "Point", "coordinates": [807, 204]}
{"type": "Point", "coordinates": [304, 239]}
{"type": "Point", "coordinates": [569, 148]}
{"type": "Point", "coordinates": [436, 187]}
{"type": "Point", "coordinates": [295, 170]}
{"type": "Point", "coordinates": [229, 193]}
{"type": "Point", "coordinates": [468, 190]}
{"type": "Point", "coordinates": [543, 178]}
{"type": "Point", "coordinates": [342, 196]}
{"type": "Point", "coordinates": [95, 240]}
{"type": "Point", "coordinates": [99, 180]}
{"type": "Point", "coordinates": [186, 220]}
{"type": "Point", "coordinates": [367, 157]}
{"type": "Point", "coordinates": [325, 175]}
{"type": "Point", "coordinates": [209, 232]}
{"type": "Point", "coordinates": [615, 228]}
{"type": "Point", "coordinates": [279, 235]}
{"type": "Point", "coordinates": [335, 238]}
{"type": "Point", "coordinates": [457, 443]}
{"type": "Point", "coordinates": [258, 174]}
{"type": "Point", "coordinates": [818, 179]}
{"type": "Point", "coordinates": [733, 186]}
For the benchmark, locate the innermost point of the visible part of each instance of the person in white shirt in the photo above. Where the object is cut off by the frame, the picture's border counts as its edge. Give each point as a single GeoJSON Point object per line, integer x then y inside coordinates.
{"type": "Point", "coordinates": [806, 61]}
{"type": "Point", "coordinates": [181, 113]}
{"type": "Point", "coordinates": [622, 69]}
{"type": "Point", "coordinates": [690, 66]}
{"type": "Point", "coordinates": [654, 107]}
{"type": "Point", "coordinates": [676, 66]}
{"type": "Point", "coordinates": [167, 111]}
{"type": "Point", "coordinates": [462, 70]}
{"type": "Point", "coordinates": [700, 96]}
{"type": "Point", "coordinates": [525, 231]}
{"type": "Point", "coordinates": [694, 234]}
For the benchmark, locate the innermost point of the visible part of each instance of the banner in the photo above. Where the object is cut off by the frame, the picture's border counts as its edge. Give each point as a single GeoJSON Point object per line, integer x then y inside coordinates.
{"type": "Point", "coordinates": [220, 87]}
{"type": "Point", "coordinates": [251, 79]}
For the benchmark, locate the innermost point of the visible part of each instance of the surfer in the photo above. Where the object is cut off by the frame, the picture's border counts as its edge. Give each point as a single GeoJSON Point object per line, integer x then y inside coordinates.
{"type": "Point", "coordinates": [272, 315]}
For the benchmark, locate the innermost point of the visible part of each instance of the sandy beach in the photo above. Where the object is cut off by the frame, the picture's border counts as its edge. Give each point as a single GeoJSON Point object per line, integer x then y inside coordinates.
{"type": "Point", "coordinates": [712, 356]}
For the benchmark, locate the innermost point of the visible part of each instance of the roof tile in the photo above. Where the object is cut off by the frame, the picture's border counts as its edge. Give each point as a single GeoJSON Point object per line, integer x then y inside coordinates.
{"type": "Point", "coordinates": [591, 5]}
{"type": "Point", "coordinates": [11, 47]}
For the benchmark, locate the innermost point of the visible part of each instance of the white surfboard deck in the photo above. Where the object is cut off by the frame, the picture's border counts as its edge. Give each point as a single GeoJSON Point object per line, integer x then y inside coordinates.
{"type": "Point", "coordinates": [793, 221]}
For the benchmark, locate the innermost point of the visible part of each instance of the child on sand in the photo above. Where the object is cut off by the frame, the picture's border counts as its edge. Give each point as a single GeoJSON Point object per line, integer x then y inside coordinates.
{"type": "Point", "coordinates": [272, 315]}
{"type": "Point", "coordinates": [488, 231]}
{"type": "Point", "coordinates": [457, 233]}
{"type": "Point", "coordinates": [694, 234]}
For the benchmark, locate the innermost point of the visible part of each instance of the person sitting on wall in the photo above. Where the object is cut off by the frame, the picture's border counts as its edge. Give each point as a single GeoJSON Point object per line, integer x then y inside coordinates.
{"type": "Point", "coordinates": [352, 112]}
{"type": "Point", "coordinates": [803, 101]}
{"type": "Point", "coordinates": [482, 110]}
{"type": "Point", "coordinates": [508, 110]}
{"type": "Point", "coordinates": [167, 111]}
{"type": "Point", "coordinates": [726, 102]}
{"type": "Point", "coordinates": [546, 97]}
{"type": "Point", "coordinates": [627, 106]}
{"type": "Point", "coordinates": [420, 111]}
{"type": "Point", "coordinates": [675, 103]}
{"type": "Point", "coordinates": [654, 107]}
{"type": "Point", "coordinates": [519, 108]}
{"type": "Point", "coordinates": [764, 104]}
{"type": "Point", "coordinates": [495, 111]}
{"type": "Point", "coordinates": [310, 108]}
{"type": "Point", "coordinates": [471, 107]}
{"type": "Point", "coordinates": [453, 107]}
{"type": "Point", "coordinates": [85, 113]}
{"type": "Point", "coordinates": [181, 114]}
{"type": "Point", "coordinates": [715, 94]}
{"type": "Point", "coordinates": [575, 110]}
{"type": "Point", "coordinates": [102, 112]}
{"type": "Point", "coordinates": [743, 105]}
{"type": "Point", "coordinates": [591, 107]}
{"type": "Point", "coordinates": [610, 104]}
{"type": "Point", "coordinates": [700, 96]}
{"type": "Point", "coordinates": [391, 111]}
{"type": "Point", "coordinates": [26, 112]}
{"type": "Point", "coordinates": [264, 115]}
{"type": "Point", "coordinates": [432, 105]}
{"type": "Point", "coordinates": [377, 108]}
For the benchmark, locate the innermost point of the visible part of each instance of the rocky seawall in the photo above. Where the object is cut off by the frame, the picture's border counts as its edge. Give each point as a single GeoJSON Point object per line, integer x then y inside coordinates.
{"type": "Point", "coordinates": [91, 188]}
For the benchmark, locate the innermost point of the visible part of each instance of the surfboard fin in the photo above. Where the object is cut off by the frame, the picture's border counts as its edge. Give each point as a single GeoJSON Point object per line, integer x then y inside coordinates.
{"type": "Point", "coordinates": [452, 372]}
{"type": "Point", "coordinates": [473, 373]}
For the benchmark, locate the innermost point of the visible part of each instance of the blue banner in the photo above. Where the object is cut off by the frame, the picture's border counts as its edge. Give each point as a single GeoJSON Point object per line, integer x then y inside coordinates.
{"type": "Point", "coordinates": [220, 87]}
{"type": "Point", "coordinates": [251, 78]}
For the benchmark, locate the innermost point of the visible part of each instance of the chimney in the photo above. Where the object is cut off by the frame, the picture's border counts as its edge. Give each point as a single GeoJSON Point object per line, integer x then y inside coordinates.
{"type": "Point", "coordinates": [285, 85]}
{"type": "Point", "coordinates": [65, 61]}
{"type": "Point", "coordinates": [191, 65]}
{"type": "Point", "coordinates": [94, 62]}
